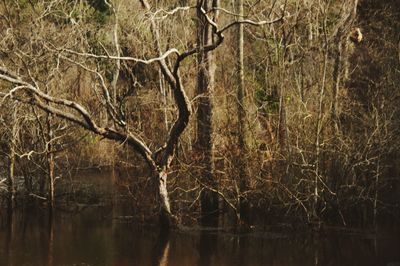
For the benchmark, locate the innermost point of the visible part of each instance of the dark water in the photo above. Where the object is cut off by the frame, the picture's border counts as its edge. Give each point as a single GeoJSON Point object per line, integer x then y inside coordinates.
{"type": "Point", "coordinates": [88, 238]}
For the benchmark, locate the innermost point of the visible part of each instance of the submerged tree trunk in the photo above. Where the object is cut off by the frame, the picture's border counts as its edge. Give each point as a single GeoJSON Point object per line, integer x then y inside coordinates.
{"type": "Point", "coordinates": [204, 144]}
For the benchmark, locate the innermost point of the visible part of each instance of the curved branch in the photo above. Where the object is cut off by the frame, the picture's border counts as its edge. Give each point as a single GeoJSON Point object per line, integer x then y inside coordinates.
{"type": "Point", "coordinates": [108, 105]}
{"type": "Point", "coordinates": [181, 99]}
{"type": "Point", "coordinates": [43, 101]}
{"type": "Point", "coordinates": [170, 12]}
{"type": "Point", "coordinates": [219, 34]}
{"type": "Point", "coordinates": [251, 22]}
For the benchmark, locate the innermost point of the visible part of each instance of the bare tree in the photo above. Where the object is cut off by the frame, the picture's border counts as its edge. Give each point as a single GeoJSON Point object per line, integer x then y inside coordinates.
{"type": "Point", "coordinates": [24, 82]}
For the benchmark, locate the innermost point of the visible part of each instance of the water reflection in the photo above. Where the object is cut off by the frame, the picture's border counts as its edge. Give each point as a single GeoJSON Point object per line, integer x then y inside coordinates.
{"type": "Point", "coordinates": [161, 249]}
{"type": "Point", "coordinates": [8, 236]}
{"type": "Point", "coordinates": [90, 238]}
{"type": "Point", "coordinates": [207, 248]}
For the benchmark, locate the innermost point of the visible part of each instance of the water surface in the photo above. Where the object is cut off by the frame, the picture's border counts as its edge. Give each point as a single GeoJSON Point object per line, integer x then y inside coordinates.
{"type": "Point", "coordinates": [91, 237]}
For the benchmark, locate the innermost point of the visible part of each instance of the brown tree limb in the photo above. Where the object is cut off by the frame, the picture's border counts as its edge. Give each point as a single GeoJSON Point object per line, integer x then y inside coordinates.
{"type": "Point", "coordinates": [43, 100]}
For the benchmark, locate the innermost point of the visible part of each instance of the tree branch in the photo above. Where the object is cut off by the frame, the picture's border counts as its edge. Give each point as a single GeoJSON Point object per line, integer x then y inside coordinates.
{"type": "Point", "coordinates": [37, 97]}
{"type": "Point", "coordinates": [125, 58]}
{"type": "Point", "coordinates": [181, 99]}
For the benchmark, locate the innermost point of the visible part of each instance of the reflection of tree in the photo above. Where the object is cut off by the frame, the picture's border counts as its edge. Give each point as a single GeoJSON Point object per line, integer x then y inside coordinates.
{"type": "Point", "coordinates": [207, 248]}
{"type": "Point", "coordinates": [161, 249]}
{"type": "Point", "coordinates": [50, 242]}
{"type": "Point", "coordinates": [9, 233]}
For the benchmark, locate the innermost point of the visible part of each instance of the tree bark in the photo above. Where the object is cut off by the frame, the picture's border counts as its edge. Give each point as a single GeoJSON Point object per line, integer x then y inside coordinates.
{"type": "Point", "coordinates": [166, 217]}
{"type": "Point", "coordinates": [204, 143]}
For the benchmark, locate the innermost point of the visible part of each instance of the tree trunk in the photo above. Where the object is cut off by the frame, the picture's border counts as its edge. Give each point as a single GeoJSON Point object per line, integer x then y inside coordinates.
{"type": "Point", "coordinates": [11, 166]}
{"type": "Point", "coordinates": [318, 137]}
{"type": "Point", "coordinates": [241, 113]}
{"type": "Point", "coordinates": [11, 177]}
{"type": "Point", "coordinates": [204, 144]}
{"type": "Point", "coordinates": [337, 74]}
{"type": "Point", "coordinates": [50, 162]}
{"type": "Point", "coordinates": [166, 218]}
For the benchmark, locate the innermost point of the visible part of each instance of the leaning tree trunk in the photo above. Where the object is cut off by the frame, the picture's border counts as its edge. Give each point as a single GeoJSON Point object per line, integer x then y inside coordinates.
{"type": "Point", "coordinates": [204, 143]}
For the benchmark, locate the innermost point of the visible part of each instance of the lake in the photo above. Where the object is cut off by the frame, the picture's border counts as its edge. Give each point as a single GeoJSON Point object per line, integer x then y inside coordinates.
{"type": "Point", "coordinates": [92, 236]}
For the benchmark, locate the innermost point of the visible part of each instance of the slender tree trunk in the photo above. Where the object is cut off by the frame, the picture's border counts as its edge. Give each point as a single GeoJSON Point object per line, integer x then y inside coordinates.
{"type": "Point", "coordinates": [318, 133]}
{"type": "Point", "coordinates": [204, 144]}
{"type": "Point", "coordinates": [11, 177]}
{"type": "Point", "coordinates": [241, 116]}
{"type": "Point", "coordinates": [377, 175]}
{"type": "Point", "coordinates": [378, 169]}
{"type": "Point", "coordinates": [337, 75]}
{"type": "Point", "coordinates": [11, 165]}
{"type": "Point", "coordinates": [50, 162]}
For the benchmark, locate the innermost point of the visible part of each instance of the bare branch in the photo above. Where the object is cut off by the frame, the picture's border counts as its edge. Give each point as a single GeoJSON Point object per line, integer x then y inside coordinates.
{"type": "Point", "coordinates": [170, 12]}
{"type": "Point", "coordinates": [180, 96]}
{"type": "Point", "coordinates": [86, 121]}
{"type": "Point", "coordinates": [126, 58]}
{"type": "Point", "coordinates": [106, 95]}
{"type": "Point", "coordinates": [251, 22]}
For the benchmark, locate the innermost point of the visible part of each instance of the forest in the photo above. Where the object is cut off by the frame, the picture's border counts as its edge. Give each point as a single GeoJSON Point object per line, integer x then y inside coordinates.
{"type": "Point", "coordinates": [206, 112]}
